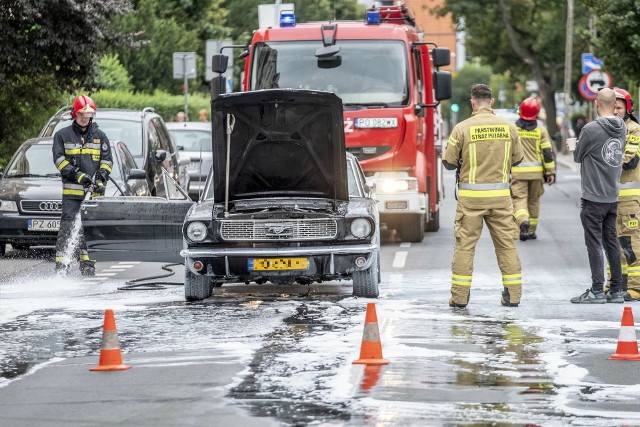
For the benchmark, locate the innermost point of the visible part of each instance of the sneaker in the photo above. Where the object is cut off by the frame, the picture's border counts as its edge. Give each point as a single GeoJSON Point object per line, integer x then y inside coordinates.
{"type": "Point", "coordinates": [631, 295]}
{"type": "Point", "coordinates": [615, 297]}
{"type": "Point", "coordinates": [524, 231]}
{"type": "Point", "coordinates": [505, 300]}
{"type": "Point", "coordinates": [589, 297]}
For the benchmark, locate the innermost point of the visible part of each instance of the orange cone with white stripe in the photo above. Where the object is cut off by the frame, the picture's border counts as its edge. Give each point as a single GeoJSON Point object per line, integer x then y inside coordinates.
{"type": "Point", "coordinates": [110, 356]}
{"type": "Point", "coordinates": [627, 342]}
{"type": "Point", "coordinates": [371, 349]}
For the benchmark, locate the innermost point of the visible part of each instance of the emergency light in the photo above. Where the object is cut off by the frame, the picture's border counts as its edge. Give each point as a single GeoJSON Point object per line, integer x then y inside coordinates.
{"type": "Point", "coordinates": [373, 17]}
{"type": "Point", "coordinates": [287, 18]}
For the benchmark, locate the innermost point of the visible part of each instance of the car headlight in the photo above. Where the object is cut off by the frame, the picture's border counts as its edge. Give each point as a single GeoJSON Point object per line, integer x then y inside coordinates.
{"type": "Point", "coordinates": [197, 231]}
{"type": "Point", "coordinates": [8, 206]}
{"type": "Point", "coordinates": [398, 185]}
{"type": "Point", "coordinates": [360, 228]}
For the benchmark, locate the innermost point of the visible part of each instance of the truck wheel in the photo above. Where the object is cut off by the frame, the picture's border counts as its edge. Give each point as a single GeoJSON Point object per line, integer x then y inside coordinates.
{"type": "Point", "coordinates": [196, 286]}
{"type": "Point", "coordinates": [412, 229]}
{"type": "Point", "coordinates": [365, 282]}
{"type": "Point", "coordinates": [434, 223]}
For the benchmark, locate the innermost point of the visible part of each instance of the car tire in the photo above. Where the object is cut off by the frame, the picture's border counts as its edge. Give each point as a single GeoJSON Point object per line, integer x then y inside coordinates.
{"type": "Point", "coordinates": [196, 286]}
{"type": "Point", "coordinates": [3, 248]}
{"type": "Point", "coordinates": [412, 229]}
{"type": "Point", "coordinates": [365, 282]}
{"type": "Point", "coordinates": [434, 222]}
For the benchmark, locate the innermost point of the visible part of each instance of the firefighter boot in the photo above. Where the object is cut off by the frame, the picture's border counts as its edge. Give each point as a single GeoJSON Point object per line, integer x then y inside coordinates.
{"type": "Point", "coordinates": [459, 296]}
{"type": "Point", "coordinates": [511, 295]}
{"type": "Point", "coordinates": [524, 231]}
{"type": "Point", "coordinates": [87, 268]}
{"type": "Point", "coordinates": [61, 269]}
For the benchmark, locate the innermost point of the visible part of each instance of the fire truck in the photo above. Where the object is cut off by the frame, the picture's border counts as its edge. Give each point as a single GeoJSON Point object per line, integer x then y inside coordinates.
{"type": "Point", "coordinates": [388, 79]}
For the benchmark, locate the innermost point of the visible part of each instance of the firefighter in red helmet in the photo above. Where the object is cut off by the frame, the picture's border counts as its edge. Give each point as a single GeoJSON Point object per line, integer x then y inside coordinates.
{"type": "Point", "coordinates": [82, 154]}
{"type": "Point", "coordinates": [537, 167]}
{"type": "Point", "coordinates": [628, 209]}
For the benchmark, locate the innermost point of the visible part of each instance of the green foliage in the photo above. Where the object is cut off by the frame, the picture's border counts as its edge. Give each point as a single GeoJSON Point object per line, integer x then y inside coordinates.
{"type": "Point", "coordinates": [112, 74]}
{"type": "Point", "coordinates": [462, 82]}
{"type": "Point", "coordinates": [618, 41]}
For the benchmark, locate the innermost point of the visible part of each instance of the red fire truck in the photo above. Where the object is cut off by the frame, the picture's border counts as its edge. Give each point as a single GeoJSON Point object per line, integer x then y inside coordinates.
{"type": "Point", "coordinates": [390, 87]}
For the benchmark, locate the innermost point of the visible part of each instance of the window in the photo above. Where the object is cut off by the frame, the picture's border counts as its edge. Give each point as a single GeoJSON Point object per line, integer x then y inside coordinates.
{"type": "Point", "coordinates": [34, 160]}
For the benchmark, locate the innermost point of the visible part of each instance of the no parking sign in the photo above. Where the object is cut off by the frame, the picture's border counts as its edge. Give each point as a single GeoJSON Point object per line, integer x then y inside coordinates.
{"type": "Point", "coordinates": [593, 81]}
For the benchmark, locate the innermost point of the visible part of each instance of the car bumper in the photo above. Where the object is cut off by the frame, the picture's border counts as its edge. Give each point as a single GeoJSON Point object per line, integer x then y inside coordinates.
{"type": "Point", "coordinates": [401, 203]}
{"type": "Point", "coordinates": [324, 262]}
{"type": "Point", "coordinates": [15, 229]}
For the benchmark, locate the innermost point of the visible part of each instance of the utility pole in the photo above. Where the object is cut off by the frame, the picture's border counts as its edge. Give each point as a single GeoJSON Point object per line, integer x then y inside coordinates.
{"type": "Point", "coordinates": [568, 54]}
{"type": "Point", "coordinates": [592, 34]}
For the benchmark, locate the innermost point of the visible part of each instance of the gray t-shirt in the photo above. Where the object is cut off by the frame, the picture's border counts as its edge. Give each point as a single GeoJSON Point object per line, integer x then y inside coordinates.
{"type": "Point", "coordinates": [600, 150]}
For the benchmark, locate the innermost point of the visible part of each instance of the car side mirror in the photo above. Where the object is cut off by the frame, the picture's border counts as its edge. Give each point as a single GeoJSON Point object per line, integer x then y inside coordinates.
{"type": "Point", "coordinates": [160, 155]}
{"type": "Point", "coordinates": [137, 174]}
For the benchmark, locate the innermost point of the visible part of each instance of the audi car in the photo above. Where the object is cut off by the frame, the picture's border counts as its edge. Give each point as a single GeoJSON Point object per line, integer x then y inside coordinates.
{"type": "Point", "coordinates": [31, 192]}
{"type": "Point", "coordinates": [283, 203]}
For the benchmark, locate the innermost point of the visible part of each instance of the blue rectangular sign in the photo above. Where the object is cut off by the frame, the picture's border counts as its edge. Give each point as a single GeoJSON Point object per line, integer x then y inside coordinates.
{"type": "Point", "coordinates": [590, 63]}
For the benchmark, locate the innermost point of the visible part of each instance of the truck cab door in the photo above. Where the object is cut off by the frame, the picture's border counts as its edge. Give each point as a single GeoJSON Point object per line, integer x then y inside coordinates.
{"type": "Point", "coordinates": [134, 228]}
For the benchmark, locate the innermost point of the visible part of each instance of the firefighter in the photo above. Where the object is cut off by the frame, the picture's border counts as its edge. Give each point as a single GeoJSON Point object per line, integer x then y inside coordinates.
{"type": "Point", "coordinates": [82, 154]}
{"type": "Point", "coordinates": [537, 167]}
{"type": "Point", "coordinates": [628, 211]}
{"type": "Point", "coordinates": [483, 149]}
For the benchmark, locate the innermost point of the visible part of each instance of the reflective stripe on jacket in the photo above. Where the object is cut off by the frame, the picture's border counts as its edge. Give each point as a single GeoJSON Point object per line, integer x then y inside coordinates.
{"type": "Point", "coordinates": [538, 155]}
{"type": "Point", "coordinates": [630, 176]}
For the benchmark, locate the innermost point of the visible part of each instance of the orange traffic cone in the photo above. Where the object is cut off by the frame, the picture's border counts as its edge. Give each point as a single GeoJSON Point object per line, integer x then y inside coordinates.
{"type": "Point", "coordinates": [371, 349]}
{"type": "Point", "coordinates": [110, 356]}
{"type": "Point", "coordinates": [627, 342]}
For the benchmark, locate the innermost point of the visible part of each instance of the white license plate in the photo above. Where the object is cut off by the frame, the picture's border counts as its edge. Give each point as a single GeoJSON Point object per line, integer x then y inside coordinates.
{"type": "Point", "coordinates": [379, 122]}
{"type": "Point", "coordinates": [44, 225]}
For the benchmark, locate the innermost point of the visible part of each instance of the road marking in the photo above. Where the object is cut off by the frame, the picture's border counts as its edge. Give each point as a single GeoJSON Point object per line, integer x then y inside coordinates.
{"type": "Point", "coordinates": [114, 269]}
{"type": "Point", "coordinates": [405, 245]}
{"type": "Point", "coordinates": [90, 279]}
{"type": "Point", "coordinates": [106, 274]}
{"type": "Point", "coordinates": [400, 259]}
{"type": "Point", "coordinates": [123, 263]}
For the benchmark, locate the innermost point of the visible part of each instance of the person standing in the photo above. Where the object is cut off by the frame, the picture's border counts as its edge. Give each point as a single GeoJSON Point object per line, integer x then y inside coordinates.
{"type": "Point", "coordinates": [82, 154]}
{"type": "Point", "coordinates": [628, 211]}
{"type": "Point", "coordinates": [483, 148]}
{"type": "Point", "coordinates": [537, 167]}
{"type": "Point", "coordinates": [203, 115]}
{"type": "Point", "coordinates": [599, 151]}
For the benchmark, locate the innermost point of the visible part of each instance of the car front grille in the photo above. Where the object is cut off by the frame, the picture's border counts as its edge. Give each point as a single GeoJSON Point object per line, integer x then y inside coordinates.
{"type": "Point", "coordinates": [41, 206]}
{"type": "Point", "coordinates": [299, 229]}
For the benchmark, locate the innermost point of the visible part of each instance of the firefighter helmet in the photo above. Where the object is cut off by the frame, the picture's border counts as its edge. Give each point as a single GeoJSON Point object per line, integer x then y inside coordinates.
{"type": "Point", "coordinates": [623, 94]}
{"type": "Point", "coordinates": [82, 104]}
{"type": "Point", "coordinates": [529, 109]}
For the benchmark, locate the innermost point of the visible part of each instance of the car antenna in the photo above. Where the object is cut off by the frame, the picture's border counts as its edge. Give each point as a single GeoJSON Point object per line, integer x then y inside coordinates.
{"type": "Point", "coordinates": [231, 121]}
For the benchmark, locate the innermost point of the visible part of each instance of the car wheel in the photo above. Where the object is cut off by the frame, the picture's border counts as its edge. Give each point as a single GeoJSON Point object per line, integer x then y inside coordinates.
{"type": "Point", "coordinates": [365, 282]}
{"type": "Point", "coordinates": [20, 247]}
{"type": "Point", "coordinates": [283, 280]}
{"type": "Point", "coordinates": [196, 286]}
{"type": "Point", "coordinates": [412, 229]}
{"type": "Point", "coordinates": [3, 248]}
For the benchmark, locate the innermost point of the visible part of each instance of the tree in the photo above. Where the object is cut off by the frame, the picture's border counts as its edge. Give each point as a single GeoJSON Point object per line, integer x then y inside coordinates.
{"type": "Point", "coordinates": [113, 75]}
{"type": "Point", "coordinates": [523, 37]}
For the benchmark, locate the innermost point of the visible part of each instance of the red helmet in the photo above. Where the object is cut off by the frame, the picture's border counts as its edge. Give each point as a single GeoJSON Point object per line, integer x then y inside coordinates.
{"type": "Point", "coordinates": [623, 94]}
{"type": "Point", "coordinates": [529, 109]}
{"type": "Point", "coordinates": [82, 104]}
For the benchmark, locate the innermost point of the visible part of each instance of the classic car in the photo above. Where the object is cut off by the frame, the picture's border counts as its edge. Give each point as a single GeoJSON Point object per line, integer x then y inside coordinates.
{"type": "Point", "coordinates": [282, 203]}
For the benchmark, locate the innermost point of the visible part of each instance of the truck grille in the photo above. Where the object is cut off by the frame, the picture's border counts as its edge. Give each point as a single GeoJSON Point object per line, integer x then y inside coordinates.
{"type": "Point", "coordinates": [299, 229]}
{"type": "Point", "coordinates": [41, 206]}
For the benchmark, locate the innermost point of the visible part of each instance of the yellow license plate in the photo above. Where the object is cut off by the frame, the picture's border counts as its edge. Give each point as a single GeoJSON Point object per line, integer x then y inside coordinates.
{"type": "Point", "coordinates": [263, 264]}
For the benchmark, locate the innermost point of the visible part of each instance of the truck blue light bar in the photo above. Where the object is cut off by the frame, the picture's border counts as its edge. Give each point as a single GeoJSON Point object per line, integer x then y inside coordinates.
{"type": "Point", "coordinates": [373, 17]}
{"type": "Point", "coordinates": [287, 18]}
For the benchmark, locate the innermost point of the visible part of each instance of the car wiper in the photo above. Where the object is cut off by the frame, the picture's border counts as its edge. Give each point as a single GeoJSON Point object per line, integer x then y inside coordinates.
{"type": "Point", "coordinates": [367, 105]}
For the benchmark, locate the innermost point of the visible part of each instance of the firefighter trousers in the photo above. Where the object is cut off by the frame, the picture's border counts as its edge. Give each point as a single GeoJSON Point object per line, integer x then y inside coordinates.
{"type": "Point", "coordinates": [504, 232]}
{"type": "Point", "coordinates": [526, 195]}
{"type": "Point", "coordinates": [70, 244]}
{"type": "Point", "coordinates": [628, 232]}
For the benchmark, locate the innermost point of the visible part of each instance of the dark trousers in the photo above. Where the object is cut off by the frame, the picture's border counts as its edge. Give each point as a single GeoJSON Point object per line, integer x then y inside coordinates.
{"type": "Point", "coordinates": [599, 223]}
{"type": "Point", "coordinates": [70, 211]}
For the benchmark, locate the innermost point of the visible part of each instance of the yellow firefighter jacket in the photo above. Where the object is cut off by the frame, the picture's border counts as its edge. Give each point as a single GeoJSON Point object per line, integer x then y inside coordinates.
{"type": "Point", "coordinates": [483, 148]}
{"type": "Point", "coordinates": [630, 177]}
{"type": "Point", "coordinates": [538, 155]}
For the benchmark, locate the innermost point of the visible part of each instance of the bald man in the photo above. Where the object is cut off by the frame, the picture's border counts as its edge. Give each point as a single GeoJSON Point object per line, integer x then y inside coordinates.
{"type": "Point", "coordinates": [599, 151]}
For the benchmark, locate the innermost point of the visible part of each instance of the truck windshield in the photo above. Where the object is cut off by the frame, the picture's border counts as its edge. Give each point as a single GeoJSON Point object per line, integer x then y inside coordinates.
{"type": "Point", "coordinates": [364, 72]}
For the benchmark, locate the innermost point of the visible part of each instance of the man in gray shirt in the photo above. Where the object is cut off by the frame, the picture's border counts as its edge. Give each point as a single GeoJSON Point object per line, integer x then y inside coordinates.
{"type": "Point", "coordinates": [600, 150]}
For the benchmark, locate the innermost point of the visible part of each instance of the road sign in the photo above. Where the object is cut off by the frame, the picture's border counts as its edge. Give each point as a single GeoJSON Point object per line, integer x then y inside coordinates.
{"type": "Point", "coordinates": [584, 89]}
{"type": "Point", "coordinates": [590, 63]}
{"type": "Point", "coordinates": [184, 65]}
{"type": "Point", "coordinates": [596, 80]}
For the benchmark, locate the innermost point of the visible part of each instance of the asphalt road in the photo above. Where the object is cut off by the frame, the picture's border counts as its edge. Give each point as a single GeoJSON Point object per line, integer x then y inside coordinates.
{"type": "Point", "coordinates": [266, 355]}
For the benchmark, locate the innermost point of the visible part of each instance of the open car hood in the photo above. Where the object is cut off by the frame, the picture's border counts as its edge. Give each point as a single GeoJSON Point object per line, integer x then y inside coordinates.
{"type": "Point", "coordinates": [284, 143]}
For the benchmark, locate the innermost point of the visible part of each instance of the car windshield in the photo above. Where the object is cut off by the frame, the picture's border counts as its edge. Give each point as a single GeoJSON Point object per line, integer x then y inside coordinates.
{"type": "Point", "coordinates": [364, 72]}
{"type": "Point", "coordinates": [191, 139]}
{"type": "Point", "coordinates": [32, 160]}
{"type": "Point", "coordinates": [127, 131]}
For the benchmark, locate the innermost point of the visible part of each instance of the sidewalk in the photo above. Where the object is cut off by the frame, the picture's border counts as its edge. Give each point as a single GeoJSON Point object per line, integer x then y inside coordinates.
{"type": "Point", "coordinates": [566, 160]}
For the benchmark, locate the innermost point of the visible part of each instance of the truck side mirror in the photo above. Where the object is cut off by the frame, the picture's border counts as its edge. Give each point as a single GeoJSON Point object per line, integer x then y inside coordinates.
{"type": "Point", "coordinates": [420, 109]}
{"type": "Point", "coordinates": [442, 85]}
{"type": "Point", "coordinates": [441, 56]}
{"type": "Point", "coordinates": [218, 86]}
{"type": "Point", "coordinates": [219, 63]}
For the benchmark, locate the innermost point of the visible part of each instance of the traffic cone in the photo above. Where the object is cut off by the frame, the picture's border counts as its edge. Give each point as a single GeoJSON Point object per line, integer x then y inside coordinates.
{"type": "Point", "coordinates": [371, 349]}
{"type": "Point", "coordinates": [627, 342]}
{"type": "Point", "coordinates": [110, 356]}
